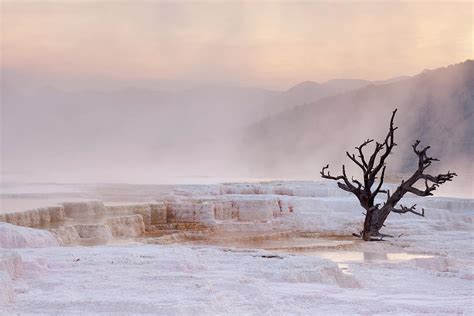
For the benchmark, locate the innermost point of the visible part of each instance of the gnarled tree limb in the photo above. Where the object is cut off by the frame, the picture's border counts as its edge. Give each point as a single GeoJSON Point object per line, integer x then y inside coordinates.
{"type": "Point", "coordinates": [375, 215]}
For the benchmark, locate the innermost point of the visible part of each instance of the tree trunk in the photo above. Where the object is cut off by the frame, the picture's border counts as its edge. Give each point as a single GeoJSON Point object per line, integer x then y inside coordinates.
{"type": "Point", "coordinates": [377, 223]}
{"type": "Point", "coordinates": [366, 233]}
{"type": "Point", "coordinates": [373, 168]}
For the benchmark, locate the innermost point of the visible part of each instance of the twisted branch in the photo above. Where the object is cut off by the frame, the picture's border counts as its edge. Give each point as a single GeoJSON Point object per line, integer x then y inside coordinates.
{"type": "Point", "coordinates": [412, 209]}
{"type": "Point", "coordinates": [376, 215]}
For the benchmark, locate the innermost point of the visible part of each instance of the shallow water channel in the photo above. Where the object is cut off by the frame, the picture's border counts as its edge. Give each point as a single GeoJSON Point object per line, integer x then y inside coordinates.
{"type": "Point", "coordinates": [341, 250]}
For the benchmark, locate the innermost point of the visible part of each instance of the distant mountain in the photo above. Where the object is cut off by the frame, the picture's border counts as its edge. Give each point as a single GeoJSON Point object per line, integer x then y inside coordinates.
{"type": "Point", "coordinates": [390, 80]}
{"type": "Point", "coordinates": [161, 120]}
{"type": "Point", "coordinates": [231, 131]}
{"type": "Point", "coordinates": [309, 91]}
{"type": "Point", "coordinates": [435, 106]}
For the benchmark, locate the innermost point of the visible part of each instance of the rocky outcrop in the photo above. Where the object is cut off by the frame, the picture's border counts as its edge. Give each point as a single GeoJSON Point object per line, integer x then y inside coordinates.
{"type": "Point", "coordinates": [35, 217]}
{"type": "Point", "coordinates": [12, 236]}
{"type": "Point", "coordinates": [158, 214]}
{"type": "Point", "coordinates": [250, 208]}
{"type": "Point", "coordinates": [66, 235]}
{"type": "Point", "coordinates": [126, 226]}
{"type": "Point", "coordinates": [152, 213]}
{"type": "Point", "coordinates": [227, 202]}
{"type": "Point", "coordinates": [75, 222]}
{"type": "Point", "coordinates": [84, 209]}
{"type": "Point", "coordinates": [190, 211]}
{"type": "Point", "coordinates": [93, 231]}
{"type": "Point", "coordinates": [101, 231]}
{"type": "Point", "coordinates": [256, 209]}
{"type": "Point", "coordinates": [212, 211]}
{"type": "Point", "coordinates": [298, 188]}
{"type": "Point", "coordinates": [225, 210]}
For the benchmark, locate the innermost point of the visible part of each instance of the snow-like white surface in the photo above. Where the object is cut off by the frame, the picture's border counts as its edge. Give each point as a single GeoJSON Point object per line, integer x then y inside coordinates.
{"type": "Point", "coordinates": [7, 293]}
{"type": "Point", "coordinates": [185, 280]}
{"type": "Point", "coordinates": [12, 236]}
{"type": "Point", "coordinates": [427, 268]}
{"type": "Point", "coordinates": [174, 280]}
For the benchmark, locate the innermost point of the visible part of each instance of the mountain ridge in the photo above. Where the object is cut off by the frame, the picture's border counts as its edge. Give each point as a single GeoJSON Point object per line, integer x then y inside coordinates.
{"type": "Point", "coordinates": [334, 124]}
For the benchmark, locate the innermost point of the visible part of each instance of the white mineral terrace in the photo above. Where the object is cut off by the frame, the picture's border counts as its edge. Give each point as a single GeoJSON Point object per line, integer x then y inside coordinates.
{"type": "Point", "coordinates": [277, 247]}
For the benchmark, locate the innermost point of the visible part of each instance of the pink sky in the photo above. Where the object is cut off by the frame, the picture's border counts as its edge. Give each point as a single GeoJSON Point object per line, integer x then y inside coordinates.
{"type": "Point", "coordinates": [263, 43]}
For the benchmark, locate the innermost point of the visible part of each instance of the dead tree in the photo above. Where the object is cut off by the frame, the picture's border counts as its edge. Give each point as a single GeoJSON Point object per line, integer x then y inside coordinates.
{"type": "Point", "coordinates": [373, 170]}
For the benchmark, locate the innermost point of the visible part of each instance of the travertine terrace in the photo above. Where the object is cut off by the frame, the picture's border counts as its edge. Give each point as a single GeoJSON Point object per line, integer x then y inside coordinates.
{"type": "Point", "coordinates": [232, 247]}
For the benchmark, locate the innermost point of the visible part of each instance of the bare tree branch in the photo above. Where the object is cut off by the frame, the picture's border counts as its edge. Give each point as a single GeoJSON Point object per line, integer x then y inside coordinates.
{"type": "Point", "coordinates": [359, 185]}
{"type": "Point", "coordinates": [328, 175]}
{"type": "Point", "coordinates": [346, 186]}
{"type": "Point", "coordinates": [431, 184]}
{"type": "Point", "coordinates": [412, 209]}
{"type": "Point", "coordinates": [354, 159]}
{"type": "Point", "coordinates": [375, 215]}
{"type": "Point", "coordinates": [361, 153]}
{"type": "Point", "coordinates": [388, 144]}
{"type": "Point", "coordinates": [378, 189]}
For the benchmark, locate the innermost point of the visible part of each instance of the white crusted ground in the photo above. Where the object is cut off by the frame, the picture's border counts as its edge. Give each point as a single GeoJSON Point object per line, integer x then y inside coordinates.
{"type": "Point", "coordinates": [12, 236]}
{"type": "Point", "coordinates": [427, 270]}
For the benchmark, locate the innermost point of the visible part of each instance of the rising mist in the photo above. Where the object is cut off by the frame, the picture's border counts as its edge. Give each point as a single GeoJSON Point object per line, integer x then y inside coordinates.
{"type": "Point", "coordinates": [148, 92]}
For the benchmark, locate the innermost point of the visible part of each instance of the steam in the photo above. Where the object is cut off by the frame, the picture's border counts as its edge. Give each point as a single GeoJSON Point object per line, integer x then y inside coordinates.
{"type": "Point", "coordinates": [148, 92]}
{"type": "Point", "coordinates": [146, 136]}
{"type": "Point", "coordinates": [435, 107]}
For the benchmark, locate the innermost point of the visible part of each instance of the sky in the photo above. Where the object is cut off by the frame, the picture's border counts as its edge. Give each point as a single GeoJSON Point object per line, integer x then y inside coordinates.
{"type": "Point", "coordinates": [267, 44]}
